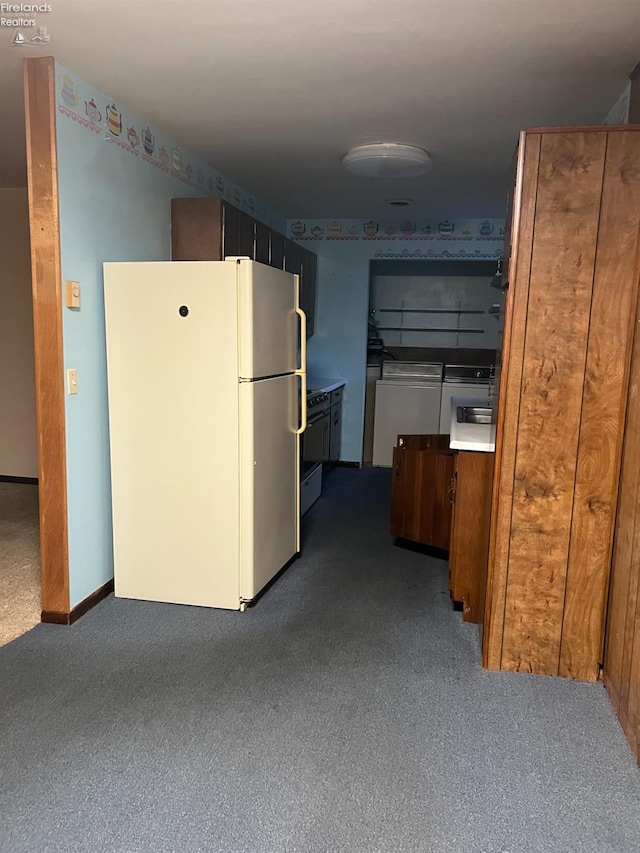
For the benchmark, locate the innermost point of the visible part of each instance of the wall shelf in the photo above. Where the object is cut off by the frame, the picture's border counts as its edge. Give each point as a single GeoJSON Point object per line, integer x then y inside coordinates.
{"type": "Point", "coordinates": [429, 310]}
{"type": "Point", "coordinates": [429, 329]}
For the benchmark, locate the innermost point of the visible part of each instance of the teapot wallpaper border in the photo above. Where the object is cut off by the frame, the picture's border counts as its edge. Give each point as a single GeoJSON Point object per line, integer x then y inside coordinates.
{"type": "Point", "coordinates": [107, 121]}
{"type": "Point", "coordinates": [412, 238]}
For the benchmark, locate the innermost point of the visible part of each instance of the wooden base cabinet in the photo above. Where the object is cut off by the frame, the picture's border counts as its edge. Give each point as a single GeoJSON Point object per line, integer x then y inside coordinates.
{"type": "Point", "coordinates": [469, 550]}
{"type": "Point", "coordinates": [420, 490]}
{"type": "Point", "coordinates": [569, 325]}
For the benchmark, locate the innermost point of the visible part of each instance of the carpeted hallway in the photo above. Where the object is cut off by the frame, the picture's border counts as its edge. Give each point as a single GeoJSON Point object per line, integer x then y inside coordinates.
{"type": "Point", "coordinates": [347, 711]}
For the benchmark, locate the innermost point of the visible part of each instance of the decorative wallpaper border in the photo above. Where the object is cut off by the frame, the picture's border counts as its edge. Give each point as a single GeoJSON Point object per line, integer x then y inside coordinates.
{"type": "Point", "coordinates": [428, 238]}
{"type": "Point", "coordinates": [91, 109]}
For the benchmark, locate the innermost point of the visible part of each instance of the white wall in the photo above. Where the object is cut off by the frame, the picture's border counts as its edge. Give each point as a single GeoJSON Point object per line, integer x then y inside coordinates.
{"type": "Point", "coordinates": [18, 436]}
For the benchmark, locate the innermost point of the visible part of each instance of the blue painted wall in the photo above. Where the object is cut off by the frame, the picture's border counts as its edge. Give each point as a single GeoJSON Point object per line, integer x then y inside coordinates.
{"type": "Point", "coordinates": [345, 249]}
{"type": "Point", "coordinates": [114, 206]}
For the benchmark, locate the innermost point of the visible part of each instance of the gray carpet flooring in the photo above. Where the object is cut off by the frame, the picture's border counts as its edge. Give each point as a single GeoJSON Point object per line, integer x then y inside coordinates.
{"type": "Point", "coordinates": [346, 711]}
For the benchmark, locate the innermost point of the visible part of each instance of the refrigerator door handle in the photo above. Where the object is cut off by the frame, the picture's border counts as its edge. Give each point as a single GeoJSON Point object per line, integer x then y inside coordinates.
{"type": "Point", "coordinates": [302, 370]}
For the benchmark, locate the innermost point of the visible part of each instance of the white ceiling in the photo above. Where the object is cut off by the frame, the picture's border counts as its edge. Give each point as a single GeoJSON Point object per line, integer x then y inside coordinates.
{"type": "Point", "coordinates": [274, 92]}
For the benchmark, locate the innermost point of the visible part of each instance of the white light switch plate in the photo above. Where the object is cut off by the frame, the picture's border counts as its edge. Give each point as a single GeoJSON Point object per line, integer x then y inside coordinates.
{"type": "Point", "coordinates": [73, 294]}
{"type": "Point", "coordinates": [72, 381]}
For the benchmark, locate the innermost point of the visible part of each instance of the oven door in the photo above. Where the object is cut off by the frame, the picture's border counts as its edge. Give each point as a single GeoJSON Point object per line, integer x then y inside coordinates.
{"type": "Point", "coordinates": [315, 442]}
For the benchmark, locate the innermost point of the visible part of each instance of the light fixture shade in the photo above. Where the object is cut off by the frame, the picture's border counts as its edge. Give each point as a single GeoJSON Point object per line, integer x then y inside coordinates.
{"type": "Point", "coordinates": [387, 160]}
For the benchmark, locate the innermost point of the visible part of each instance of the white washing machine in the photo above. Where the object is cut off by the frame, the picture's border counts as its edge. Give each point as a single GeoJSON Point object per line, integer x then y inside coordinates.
{"type": "Point", "coordinates": [407, 403]}
{"type": "Point", "coordinates": [462, 381]}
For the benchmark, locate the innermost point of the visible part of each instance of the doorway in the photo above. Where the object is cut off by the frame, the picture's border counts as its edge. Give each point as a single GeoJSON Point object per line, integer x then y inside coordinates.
{"type": "Point", "coordinates": [20, 587]}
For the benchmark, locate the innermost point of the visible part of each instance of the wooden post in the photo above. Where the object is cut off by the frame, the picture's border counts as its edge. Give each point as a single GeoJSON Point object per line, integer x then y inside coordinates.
{"type": "Point", "coordinates": [39, 89]}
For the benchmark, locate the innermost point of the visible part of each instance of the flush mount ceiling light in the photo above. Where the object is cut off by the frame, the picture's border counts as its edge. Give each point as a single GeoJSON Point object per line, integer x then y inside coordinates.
{"type": "Point", "coordinates": [399, 202]}
{"type": "Point", "coordinates": [387, 160]}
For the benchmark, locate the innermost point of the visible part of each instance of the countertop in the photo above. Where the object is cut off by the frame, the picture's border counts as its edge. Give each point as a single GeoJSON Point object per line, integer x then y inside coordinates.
{"type": "Point", "coordinates": [322, 383]}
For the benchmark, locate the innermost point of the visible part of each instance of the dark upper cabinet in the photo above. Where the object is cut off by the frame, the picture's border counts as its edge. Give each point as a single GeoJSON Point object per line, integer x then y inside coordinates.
{"type": "Point", "coordinates": [303, 263]}
{"type": "Point", "coordinates": [308, 274]}
{"type": "Point", "coordinates": [209, 229]}
{"type": "Point", "coordinates": [277, 250]}
{"type": "Point", "coordinates": [238, 231]}
{"type": "Point", "coordinates": [262, 244]}
{"type": "Point", "coordinates": [292, 257]}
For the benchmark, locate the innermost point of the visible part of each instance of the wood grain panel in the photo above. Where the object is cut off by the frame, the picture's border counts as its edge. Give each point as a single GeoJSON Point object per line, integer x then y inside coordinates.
{"type": "Point", "coordinates": [632, 723]}
{"type": "Point", "coordinates": [560, 289]}
{"type": "Point", "coordinates": [420, 510]}
{"type": "Point", "coordinates": [621, 673]}
{"type": "Point", "coordinates": [510, 380]}
{"type": "Point", "coordinates": [196, 229]}
{"type": "Point", "coordinates": [623, 590]}
{"type": "Point", "coordinates": [39, 88]}
{"type": "Point", "coordinates": [625, 542]}
{"type": "Point", "coordinates": [630, 623]}
{"type": "Point", "coordinates": [438, 489]}
{"type": "Point", "coordinates": [603, 410]}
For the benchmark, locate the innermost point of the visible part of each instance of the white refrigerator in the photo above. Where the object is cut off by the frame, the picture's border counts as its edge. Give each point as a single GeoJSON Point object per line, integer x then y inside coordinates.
{"type": "Point", "coordinates": [206, 371]}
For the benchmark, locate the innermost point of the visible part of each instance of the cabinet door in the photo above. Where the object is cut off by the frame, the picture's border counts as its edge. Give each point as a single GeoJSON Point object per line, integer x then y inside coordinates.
{"type": "Point", "coordinates": [196, 229]}
{"type": "Point", "coordinates": [292, 257]}
{"type": "Point", "coordinates": [308, 272]}
{"type": "Point", "coordinates": [420, 507]}
{"type": "Point", "coordinates": [399, 499]}
{"type": "Point", "coordinates": [277, 249]}
{"type": "Point", "coordinates": [238, 232]}
{"type": "Point", "coordinates": [468, 555]}
{"type": "Point", "coordinates": [262, 248]}
{"type": "Point", "coordinates": [336, 433]}
{"type": "Point", "coordinates": [434, 520]}
{"type": "Point", "coordinates": [326, 437]}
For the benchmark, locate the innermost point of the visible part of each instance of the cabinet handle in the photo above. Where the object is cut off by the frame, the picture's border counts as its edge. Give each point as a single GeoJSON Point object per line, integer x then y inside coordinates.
{"type": "Point", "coordinates": [451, 491]}
{"type": "Point", "coordinates": [398, 469]}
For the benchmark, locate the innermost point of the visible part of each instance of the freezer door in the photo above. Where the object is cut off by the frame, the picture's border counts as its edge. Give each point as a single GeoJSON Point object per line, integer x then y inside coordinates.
{"type": "Point", "coordinates": [268, 324]}
{"type": "Point", "coordinates": [269, 480]}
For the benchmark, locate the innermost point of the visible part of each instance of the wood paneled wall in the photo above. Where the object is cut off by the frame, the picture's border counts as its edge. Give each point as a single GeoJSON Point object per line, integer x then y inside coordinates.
{"type": "Point", "coordinates": [562, 400]}
{"type": "Point", "coordinates": [622, 653]}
